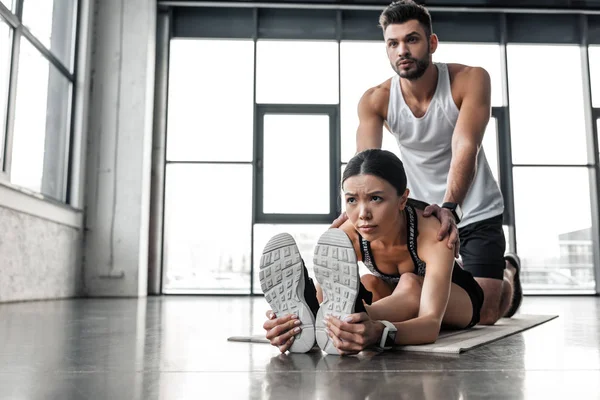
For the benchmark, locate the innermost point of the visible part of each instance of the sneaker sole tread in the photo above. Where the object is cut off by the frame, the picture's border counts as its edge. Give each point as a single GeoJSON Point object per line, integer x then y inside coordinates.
{"type": "Point", "coordinates": [281, 278]}
{"type": "Point", "coordinates": [336, 270]}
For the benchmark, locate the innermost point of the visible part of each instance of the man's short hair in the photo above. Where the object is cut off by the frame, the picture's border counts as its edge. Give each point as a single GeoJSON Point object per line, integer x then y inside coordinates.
{"type": "Point", "coordinates": [402, 11]}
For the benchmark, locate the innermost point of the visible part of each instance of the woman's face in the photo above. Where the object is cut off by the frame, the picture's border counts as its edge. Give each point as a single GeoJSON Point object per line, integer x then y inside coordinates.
{"type": "Point", "coordinates": [373, 205]}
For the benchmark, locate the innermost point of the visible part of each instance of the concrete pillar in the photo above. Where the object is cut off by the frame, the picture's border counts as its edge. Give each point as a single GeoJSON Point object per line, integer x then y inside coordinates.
{"type": "Point", "coordinates": [119, 148]}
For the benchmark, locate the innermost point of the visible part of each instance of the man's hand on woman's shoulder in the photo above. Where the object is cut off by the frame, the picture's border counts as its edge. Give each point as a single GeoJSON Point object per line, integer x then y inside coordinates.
{"type": "Point", "coordinates": [448, 227]}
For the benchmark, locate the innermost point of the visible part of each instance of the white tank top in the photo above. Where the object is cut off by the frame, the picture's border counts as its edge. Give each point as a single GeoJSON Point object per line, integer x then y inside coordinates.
{"type": "Point", "coordinates": [426, 151]}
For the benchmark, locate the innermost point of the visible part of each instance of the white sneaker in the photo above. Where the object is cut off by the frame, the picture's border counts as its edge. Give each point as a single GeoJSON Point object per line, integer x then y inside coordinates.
{"type": "Point", "coordinates": [282, 281]}
{"type": "Point", "coordinates": [336, 270]}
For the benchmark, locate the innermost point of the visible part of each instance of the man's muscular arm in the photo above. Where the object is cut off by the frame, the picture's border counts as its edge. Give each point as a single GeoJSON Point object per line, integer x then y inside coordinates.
{"type": "Point", "coordinates": [369, 134]}
{"type": "Point", "coordinates": [473, 118]}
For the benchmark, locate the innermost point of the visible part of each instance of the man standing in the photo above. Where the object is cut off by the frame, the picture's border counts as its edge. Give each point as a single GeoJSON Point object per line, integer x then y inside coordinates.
{"type": "Point", "coordinates": [438, 114]}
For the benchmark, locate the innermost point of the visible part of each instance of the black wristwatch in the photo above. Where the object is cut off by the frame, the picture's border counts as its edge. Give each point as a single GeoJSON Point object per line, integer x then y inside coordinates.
{"type": "Point", "coordinates": [455, 209]}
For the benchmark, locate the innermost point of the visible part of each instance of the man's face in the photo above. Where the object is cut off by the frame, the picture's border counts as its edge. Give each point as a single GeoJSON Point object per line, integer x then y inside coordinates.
{"type": "Point", "coordinates": [408, 49]}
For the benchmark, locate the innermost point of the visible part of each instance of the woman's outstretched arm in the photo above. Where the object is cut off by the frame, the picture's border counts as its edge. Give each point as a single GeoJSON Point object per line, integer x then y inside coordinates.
{"type": "Point", "coordinates": [363, 330]}
{"type": "Point", "coordinates": [435, 291]}
{"type": "Point", "coordinates": [436, 284]}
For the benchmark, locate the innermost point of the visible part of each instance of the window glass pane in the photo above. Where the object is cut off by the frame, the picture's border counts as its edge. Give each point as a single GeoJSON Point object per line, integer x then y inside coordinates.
{"type": "Point", "coordinates": [594, 54]}
{"type": "Point", "coordinates": [507, 237]}
{"type": "Point", "coordinates": [211, 104]}
{"type": "Point", "coordinates": [296, 72]}
{"type": "Point", "coordinates": [486, 56]}
{"type": "Point", "coordinates": [296, 164]}
{"type": "Point", "coordinates": [306, 237]}
{"type": "Point", "coordinates": [207, 228]}
{"type": "Point", "coordinates": [52, 22]}
{"type": "Point", "coordinates": [554, 236]}
{"type": "Point", "coordinates": [544, 110]}
{"type": "Point", "coordinates": [490, 146]}
{"type": "Point", "coordinates": [41, 130]}
{"type": "Point", "coordinates": [363, 65]}
{"type": "Point", "coordinates": [10, 4]}
{"type": "Point", "coordinates": [5, 50]}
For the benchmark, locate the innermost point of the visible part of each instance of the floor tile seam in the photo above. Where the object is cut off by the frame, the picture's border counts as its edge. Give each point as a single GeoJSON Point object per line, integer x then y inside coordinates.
{"type": "Point", "coordinates": [306, 371]}
{"type": "Point", "coordinates": [412, 371]}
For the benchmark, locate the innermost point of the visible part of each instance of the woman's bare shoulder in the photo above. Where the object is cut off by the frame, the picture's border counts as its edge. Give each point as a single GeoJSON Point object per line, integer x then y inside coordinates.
{"type": "Point", "coordinates": [427, 224]}
{"type": "Point", "coordinates": [428, 228]}
{"type": "Point", "coordinates": [428, 245]}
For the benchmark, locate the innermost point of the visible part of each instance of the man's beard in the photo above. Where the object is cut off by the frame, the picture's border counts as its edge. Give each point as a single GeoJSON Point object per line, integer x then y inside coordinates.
{"type": "Point", "coordinates": [421, 66]}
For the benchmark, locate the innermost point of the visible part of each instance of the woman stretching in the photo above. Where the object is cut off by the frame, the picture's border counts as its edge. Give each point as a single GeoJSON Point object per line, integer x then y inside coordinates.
{"type": "Point", "coordinates": [415, 286]}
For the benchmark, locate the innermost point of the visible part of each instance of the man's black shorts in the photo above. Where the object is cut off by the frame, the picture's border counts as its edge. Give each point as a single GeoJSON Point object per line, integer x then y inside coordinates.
{"type": "Point", "coordinates": [482, 246]}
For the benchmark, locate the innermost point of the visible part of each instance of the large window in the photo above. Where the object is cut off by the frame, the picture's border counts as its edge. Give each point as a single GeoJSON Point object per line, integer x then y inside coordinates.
{"type": "Point", "coordinates": [5, 45]}
{"type": "Point", "coordinates": [276, 118]}
{"type": "Point", "coordinates": [35, 137]}
{"type": "Point", "coordinates": [552, 206]}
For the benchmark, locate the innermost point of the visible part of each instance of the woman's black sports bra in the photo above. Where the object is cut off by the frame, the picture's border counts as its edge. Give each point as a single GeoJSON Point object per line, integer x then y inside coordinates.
{"type": "Point", "coordinates": [412, 232]}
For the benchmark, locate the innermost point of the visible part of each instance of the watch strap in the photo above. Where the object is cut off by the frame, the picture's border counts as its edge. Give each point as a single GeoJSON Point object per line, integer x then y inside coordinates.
{"type": "Point", "coordinates": [389, 332]}
{"type": "Point", "coordinates": [452, 208]}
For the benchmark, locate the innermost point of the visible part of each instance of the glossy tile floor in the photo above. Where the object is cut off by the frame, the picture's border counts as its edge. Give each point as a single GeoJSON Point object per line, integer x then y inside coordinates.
{"type": "Point", "coordinates": [175, 348]}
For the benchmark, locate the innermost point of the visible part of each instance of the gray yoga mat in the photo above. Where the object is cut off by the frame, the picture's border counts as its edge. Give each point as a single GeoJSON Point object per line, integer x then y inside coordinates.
{"type": "Point", "coordinates": [455, 342]}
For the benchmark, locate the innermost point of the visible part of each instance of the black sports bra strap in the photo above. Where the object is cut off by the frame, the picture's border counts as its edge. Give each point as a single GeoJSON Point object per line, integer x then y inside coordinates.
{"type": "Point", "coordinates": [363, 247]}
{"type": "Point", "coordinates": [367, 254]}
{"type": "Point", "coordinates": [412, 231]}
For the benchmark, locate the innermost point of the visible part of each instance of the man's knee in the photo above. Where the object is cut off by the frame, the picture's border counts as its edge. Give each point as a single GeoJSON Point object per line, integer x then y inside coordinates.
{"type": "Point", "coordinates": [488, 317]}
{"type": "Point", "coordinates": [492, 294]}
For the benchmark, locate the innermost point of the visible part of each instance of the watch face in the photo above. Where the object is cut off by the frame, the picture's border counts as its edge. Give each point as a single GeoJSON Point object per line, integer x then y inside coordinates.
{"type": "Point", "coordinates": [391, 339]}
